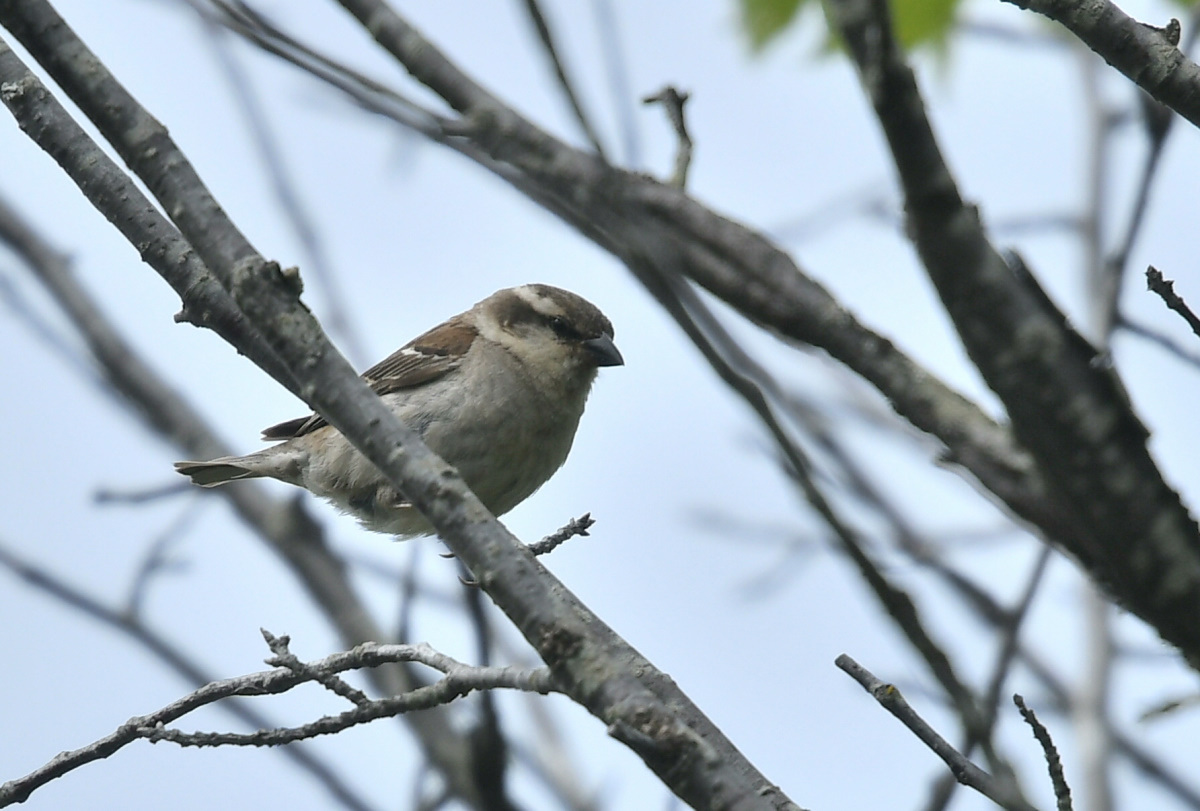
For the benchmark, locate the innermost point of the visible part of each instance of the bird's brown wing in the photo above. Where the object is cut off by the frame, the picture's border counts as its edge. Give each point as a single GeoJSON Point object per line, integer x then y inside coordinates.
{"type": "Point", "coordinates": [422, 361]}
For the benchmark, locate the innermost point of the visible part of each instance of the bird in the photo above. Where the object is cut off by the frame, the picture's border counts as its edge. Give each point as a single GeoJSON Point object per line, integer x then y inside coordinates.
{"type": "Point", "coordinates": [497, 391]}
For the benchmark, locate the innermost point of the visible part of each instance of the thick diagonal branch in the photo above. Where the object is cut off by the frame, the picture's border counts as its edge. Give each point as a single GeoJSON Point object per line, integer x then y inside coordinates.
{"type": "Point", "coordinates": [1065, 403]}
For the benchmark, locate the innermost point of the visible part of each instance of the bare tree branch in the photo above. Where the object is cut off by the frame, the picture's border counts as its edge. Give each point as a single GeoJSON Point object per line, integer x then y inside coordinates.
{"type": "Point", "coordinates": [1062, 792]}
{"type": "Point", "coordinates": [966, 772]}
{"type": "Point", "coordinates": [459, 680]}
{"type": "Point", "coordinates": [174, 658]}
{"type": "Point", "coordinates": [1069, 410]}
{"type": "Point", "coordinates": [983, 605]}
{"type": "Point", "coordinates": [542, 27]}
{"type": "Point", "coordinates": [296, 214]}
{"type": "Point", "coordinates": [1170, 345]}
{"type": "Point", "coordinates": [1090, 708]}
{"type": "Point", "coordinates": [1145, 54]}
{"type": "Point", "coordinates": [1010, 648]}
{"type": "Point", "coordinates": [617, 71]}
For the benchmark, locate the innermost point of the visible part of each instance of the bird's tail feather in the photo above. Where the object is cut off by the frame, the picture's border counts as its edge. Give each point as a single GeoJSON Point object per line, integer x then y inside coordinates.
{"type": "Point", "coordinates": [216, 472]}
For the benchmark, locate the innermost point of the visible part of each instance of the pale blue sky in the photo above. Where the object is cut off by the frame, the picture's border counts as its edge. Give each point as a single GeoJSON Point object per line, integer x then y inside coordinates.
{"type": "Point", "coordinates": [416, 233]}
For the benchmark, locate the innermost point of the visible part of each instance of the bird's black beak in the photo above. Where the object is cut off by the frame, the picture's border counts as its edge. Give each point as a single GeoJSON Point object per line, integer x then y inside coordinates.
{"type": "Point", "coordinates": [603, 351]}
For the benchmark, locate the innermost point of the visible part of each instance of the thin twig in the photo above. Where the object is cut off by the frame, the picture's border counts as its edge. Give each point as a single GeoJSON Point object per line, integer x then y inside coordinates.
{"type": "Point", "coordinates": [1165, 289]}
{"type": "Point", "coordinates": [459, 680]}
{"type": "Point", "coordinates": [367, 93]}
{"type": "Point", "coordinates": [1062, 791]}
{"type": "Point", "coordinates": [1009, 650]}
{"type": "Point", "coordinates": [283, 657]}
{"type": "Point", "coordinates": [546, 38]}
{"type": "Point", "coordinates": [741, 373]}
{"type": "Point", "coordinates": [1009, 644]}
{"type": "Point", "coordinates": [336, 313]}
{"type": "Point", "coordinates": [1161, 340]}
{"type": "Point", "coordinates": [963, 769]}
{"type": "Point", "coordinates": [489, 745]}
{"type": "Point", "coordinates": [1166, 707]}
{"type": "Point", "coordinates": [576, 526]}
{"type": "Point", "coordinates": [617, 71]}
{"type": "Point", "coordinates": [986, 608]}
{"type": "Point", "coordinates": [174, 658]}
{"type": "Point", "coordinates": [672, 101]}
{"type": "Point", "coordinates": [157, 558]}
{"type": "Point", "coordinates": [140, 496]}
{"type": "Point", "coordinates": [41, 328]}
{"type": "Point", "coordinates": [408, 582]}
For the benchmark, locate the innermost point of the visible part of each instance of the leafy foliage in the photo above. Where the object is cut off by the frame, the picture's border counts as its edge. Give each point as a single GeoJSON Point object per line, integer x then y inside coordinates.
{"type": "Point", "coordinates": [918, 22]}
{"type": "Point", "coordinates": [764, 20]}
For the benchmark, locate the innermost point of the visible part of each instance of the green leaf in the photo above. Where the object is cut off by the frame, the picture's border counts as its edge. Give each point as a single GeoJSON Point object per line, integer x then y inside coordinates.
{"type": "Point", "coordinates": [918, 22]}
{"type": "Point", "coordinates": [923, 22]}
{"type": "Point", "coordinates": [764, 20]}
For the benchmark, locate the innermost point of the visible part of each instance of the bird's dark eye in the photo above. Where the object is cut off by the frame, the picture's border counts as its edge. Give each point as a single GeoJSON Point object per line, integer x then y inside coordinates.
{"type": "Point", "coordinates": [562, 328]}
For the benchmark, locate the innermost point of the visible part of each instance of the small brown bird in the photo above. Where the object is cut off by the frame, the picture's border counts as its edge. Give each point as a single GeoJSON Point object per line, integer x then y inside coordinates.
{"type": "Point", "coordinates": [496, 391]}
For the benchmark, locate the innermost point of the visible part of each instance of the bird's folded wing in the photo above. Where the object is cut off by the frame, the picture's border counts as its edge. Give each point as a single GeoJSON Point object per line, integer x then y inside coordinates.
{"type": "Point", "coordinates": [414, 365]}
